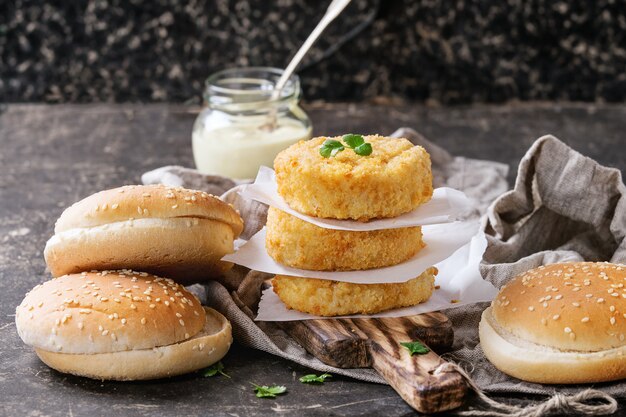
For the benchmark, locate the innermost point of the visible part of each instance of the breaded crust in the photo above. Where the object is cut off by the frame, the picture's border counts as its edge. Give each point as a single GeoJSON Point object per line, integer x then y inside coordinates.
{"type": "Point", "coordinates": [300, 244]}
{"type": "Point", "coordinates": [332, 298]}
{"type": "Point", "coordinates": [394, 179]}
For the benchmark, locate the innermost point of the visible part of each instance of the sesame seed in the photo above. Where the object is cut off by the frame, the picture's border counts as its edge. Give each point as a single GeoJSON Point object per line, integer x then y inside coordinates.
{"type": "Point", "coordinates": [588, 295]}
{"type": "Point", "coordinates": [585, 319]}
{"type": "Point", "coordinates": [113, 336]}
{"type": "Point", "coordinates": [572, 335]}
{"type": "Point", "coordinates": [612, 309]}
{"type": "Point", "coordinates": [600, 300]}
{"type": "Point", "coordinates": [104, 299]}
{"type": "Point", "coordinates": [576, 304]}
{"type": "Point", "coordinates": [143, 320]}
{"type": "Point", "coordinates": [558, 297]}
{"type": "Point", "coordinates": [567, 330]}
{"type": "Point", "coordinates": [100, 328]}
{"type": "Point", "coordinates": [531, 308]}
{"type": "Point", "coordinates": [556, 317]}
{"type": "Point", "coordinates": [175, 206]}
{"type": "Point", "coordinates": [182, 322]}
{"type": "Point", "coordinates": [612, 320]}
{"type": "Point", "coordinates": [104, 333]}
{"type": "Point", "coordinates": [167, 303]}
{"type": "Point", "coordinates": [152, 306]}
{"type": "Point", "coordinates": [544, 321]}
{"type": "Point", "coordinates": [576, 289]}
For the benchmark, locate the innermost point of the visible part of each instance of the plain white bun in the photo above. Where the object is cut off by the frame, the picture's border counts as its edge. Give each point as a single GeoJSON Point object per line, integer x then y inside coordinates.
{"type": "Point", "coordinates": [120, 325]}
{"type": "Point", "coordinates": [202, 350]}
{"type": "Point", "coordinates": [559, 324]}
{"type": "Point", "coordinates": [174, 232]}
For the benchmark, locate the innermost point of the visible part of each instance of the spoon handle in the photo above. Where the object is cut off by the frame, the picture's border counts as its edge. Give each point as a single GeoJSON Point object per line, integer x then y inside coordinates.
{"type": "Point", "coordinates": [332, 12]}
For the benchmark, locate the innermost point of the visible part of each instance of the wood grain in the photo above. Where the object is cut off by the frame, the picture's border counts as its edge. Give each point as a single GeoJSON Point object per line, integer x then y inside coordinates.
{"type": "Point", "coordinates": [375, 343]}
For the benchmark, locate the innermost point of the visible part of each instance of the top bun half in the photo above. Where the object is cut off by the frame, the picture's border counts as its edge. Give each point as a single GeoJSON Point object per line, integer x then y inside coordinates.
{"type": "Point", "coordinates": [147, 201]}
{"type": "Point", "coordinates": [108, 311]}
{"type": "Point", "coordinates": [569, 306]}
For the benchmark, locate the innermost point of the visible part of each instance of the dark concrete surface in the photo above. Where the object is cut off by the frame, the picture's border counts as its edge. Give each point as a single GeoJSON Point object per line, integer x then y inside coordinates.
{"type": "Point", "coordinates": [52, 156]}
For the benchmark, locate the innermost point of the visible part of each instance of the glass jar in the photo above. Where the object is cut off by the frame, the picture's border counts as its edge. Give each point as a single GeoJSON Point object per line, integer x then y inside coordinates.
{"type": "Point", "coordinates": [242, 126]}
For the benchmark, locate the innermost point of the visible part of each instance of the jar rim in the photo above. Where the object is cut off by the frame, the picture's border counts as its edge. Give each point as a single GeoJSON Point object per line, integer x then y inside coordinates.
{"type": "Point", "coordinates": [249, 86]}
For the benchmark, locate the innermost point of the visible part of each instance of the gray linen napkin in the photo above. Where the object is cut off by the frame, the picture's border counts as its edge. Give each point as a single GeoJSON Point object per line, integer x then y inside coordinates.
{"type": "Point", "coordinates": [564, 207]}
{"type": "Point", "coordinates": [237, 294]}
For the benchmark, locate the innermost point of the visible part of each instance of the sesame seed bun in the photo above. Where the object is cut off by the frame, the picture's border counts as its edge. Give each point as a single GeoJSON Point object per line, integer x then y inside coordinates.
{"type": "Point", "coordinates": [333, 298]}
{"type": "Point", "coordinates": [121, 325]}
{"type": "Point", "coordinates": [394, 179]}
{"type": "Point", "coordinates": [169, 231]}
{"type": "Point", "coordinates": [562, 323]}
{"type": "Point", "coordinates": [300, 244]}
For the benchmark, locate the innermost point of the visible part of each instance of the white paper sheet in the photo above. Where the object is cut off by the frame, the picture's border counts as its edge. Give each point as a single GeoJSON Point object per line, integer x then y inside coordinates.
{"type": "Point", "coordinates": [442, 240]}
{"type": "Point", "coordinates": [459, 279]}
{"type": "Point", "coordinates": [446, 206]}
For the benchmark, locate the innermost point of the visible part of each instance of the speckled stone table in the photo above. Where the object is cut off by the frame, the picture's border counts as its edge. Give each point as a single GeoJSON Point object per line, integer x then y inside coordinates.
{"type": "Point", "coordinates": [53, 156]}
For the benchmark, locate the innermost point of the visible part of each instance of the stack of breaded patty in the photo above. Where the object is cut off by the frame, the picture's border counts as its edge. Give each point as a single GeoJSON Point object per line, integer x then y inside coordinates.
{"type": "Point", "coordinates": [394, 179]}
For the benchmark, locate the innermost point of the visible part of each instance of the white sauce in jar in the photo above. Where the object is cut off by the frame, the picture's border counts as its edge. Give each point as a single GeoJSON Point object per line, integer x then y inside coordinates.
{"type": "Point", "coordinates": [237, 151]}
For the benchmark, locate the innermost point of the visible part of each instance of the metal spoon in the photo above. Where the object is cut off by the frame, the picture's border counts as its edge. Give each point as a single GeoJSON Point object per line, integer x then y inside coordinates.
{"type": "Point", "coordinates": [335, 7]}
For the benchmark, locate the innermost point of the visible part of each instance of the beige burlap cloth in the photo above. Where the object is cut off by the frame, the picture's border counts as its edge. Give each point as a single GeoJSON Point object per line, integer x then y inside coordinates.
{"type": "Point", "coordinates": [564, 207]}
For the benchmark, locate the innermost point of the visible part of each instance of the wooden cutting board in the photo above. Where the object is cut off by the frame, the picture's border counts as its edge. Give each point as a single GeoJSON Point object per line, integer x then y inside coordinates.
{"type": "Point", "coordinates": [375, 343]}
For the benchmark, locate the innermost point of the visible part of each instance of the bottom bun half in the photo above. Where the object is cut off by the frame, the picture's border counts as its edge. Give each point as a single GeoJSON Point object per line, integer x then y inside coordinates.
{"type": "Point", "coordinates": [204, 349]}
{"type": "Point", "coordinates": [546, 365]}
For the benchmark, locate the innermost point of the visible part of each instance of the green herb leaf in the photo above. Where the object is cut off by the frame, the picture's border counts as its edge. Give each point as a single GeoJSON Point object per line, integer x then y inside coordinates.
{"type": "Point", "coordinates": [263, 391]}
{"type": "Point", "coordinates": [364, 149]}
{"type": "Point", "coordinates": [330, 148]}
{"type": "Point", "coordinates": [415, 347]}
{"type": "Point", "coordinates": [215, 369]}
{"type": "Point", "coordinates": [353, 140]}
{"type": "Point", "coordinates": [314, 379]}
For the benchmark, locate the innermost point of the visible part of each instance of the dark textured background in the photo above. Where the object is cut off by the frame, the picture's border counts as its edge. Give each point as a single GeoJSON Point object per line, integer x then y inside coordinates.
{"type": "Point", "coordinates": [437, 51]}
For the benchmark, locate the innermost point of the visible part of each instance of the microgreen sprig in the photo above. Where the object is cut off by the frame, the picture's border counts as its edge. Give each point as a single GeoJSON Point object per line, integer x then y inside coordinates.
{"type": "Point", "coordinates": [264, 391]}
{"type": "Point", "coordinates": [215, 369]}
{"type": "Point", "coordinates": [415, 348]}
{"type": "Point", "coordinates": [357, 143]}
{"type": "Point", "coordinates": [314, 379]}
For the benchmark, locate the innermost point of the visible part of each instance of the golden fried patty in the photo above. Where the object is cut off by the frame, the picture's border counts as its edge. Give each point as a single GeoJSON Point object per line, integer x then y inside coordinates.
{"type": "Point", "coordinates": [332, 298]}
{"type": "Point", "coordinates": [300, 244]}
{"type": "Point", "coordinates": [394, 179]}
